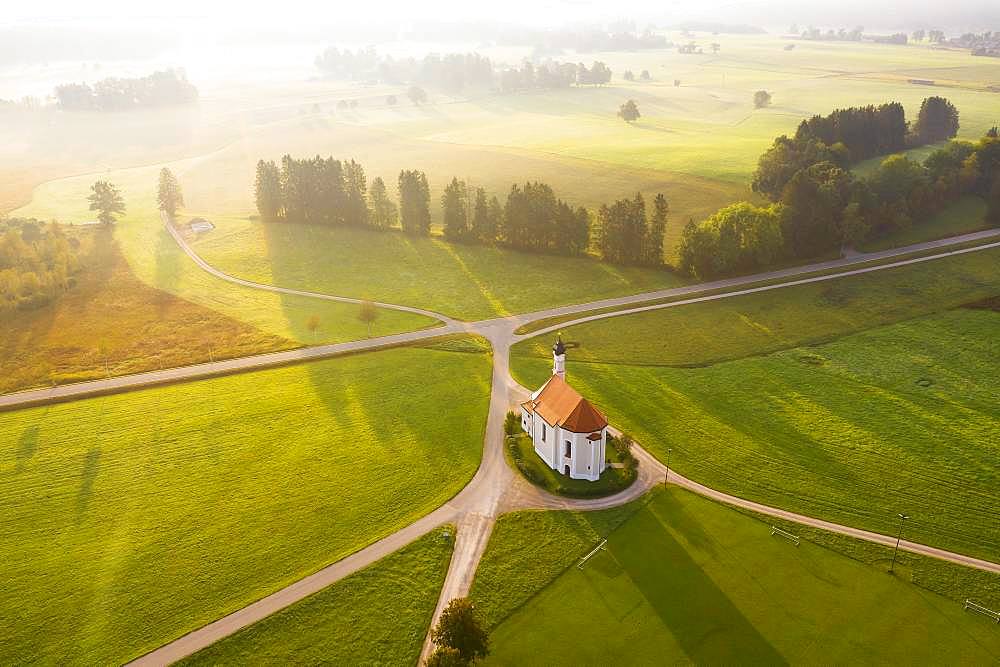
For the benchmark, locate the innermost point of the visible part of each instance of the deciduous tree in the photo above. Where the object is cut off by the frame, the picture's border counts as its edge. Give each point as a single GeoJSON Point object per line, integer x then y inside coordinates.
{"type": "Point", "coordinates": [368, 313]}
{"type": "Point", "coordinates": [459, 628]}
{"type": "Point", "coordinates": [382, 210]}
{"type": "Point", "coordinates": [629, 111]}
{"type": "Point", "coordinates": [169, 195]}
{"type": "Point", "coordinates": [107, 201]}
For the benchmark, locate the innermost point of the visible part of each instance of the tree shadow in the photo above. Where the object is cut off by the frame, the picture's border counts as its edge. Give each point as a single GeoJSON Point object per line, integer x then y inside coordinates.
{"type": "Point", "coordinates": [91, 465]}
{"type": "Point", "coordinates": [709, 628]}
{"type": "Point", "coordinates": [27, 445]}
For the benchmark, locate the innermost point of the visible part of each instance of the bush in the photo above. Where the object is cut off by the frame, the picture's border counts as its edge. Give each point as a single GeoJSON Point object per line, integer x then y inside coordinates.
{"type": "Point", "coordinates": [511, 423]}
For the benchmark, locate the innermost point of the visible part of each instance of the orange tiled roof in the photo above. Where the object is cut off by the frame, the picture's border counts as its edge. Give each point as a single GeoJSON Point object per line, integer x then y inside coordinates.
{"type": "Point", "coordinates": [559, 404]}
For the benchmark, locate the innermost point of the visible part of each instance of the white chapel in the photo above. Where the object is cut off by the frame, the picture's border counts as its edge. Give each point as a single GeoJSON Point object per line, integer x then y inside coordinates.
{"type": "Point", "coordinates": [569, 433]}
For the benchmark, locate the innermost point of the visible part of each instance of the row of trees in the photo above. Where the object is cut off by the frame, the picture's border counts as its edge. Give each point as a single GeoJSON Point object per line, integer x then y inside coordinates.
{"type": "Point", "coordinates": [332, 192]}
{"type": "Point", "coordinates": [823, 206]}
{"type": "Point", "coordinates": [456, 71]}
{"type": "Point", "coordinates": [37, 263]}
{"type": "Point", "coordinates": [164, 88]}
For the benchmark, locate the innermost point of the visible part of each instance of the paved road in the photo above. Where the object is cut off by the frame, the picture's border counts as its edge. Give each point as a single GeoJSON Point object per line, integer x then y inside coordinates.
{"type": "Point", "coordinates": [494, 489]}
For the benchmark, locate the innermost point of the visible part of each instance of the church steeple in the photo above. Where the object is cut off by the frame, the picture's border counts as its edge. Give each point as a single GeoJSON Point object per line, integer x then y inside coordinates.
{"type": "Point", "coordinates": [559, 358]}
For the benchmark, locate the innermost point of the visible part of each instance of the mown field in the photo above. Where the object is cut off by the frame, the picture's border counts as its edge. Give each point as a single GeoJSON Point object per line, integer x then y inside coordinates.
{"type": "Point", "coordinates": [901, 418]}
{"type": "Point", "coordinates": [685, 580]}
{"type": "Point", "coordinates": [346, 624]}
{"type": "Point", "coordinates": [153, 512]}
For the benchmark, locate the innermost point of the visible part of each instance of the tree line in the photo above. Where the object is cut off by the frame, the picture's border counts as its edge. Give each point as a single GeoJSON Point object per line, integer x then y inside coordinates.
{"type": "Point", "coordinates": [164, 88]}
{"type": "Point", "coordinates": [37, 263]}
{"type": "Point", "coordinates": [457, 71]}
{"type": "Point", "coordinates": [531, 217]}
{"type": "Point", "coordinates": [817, 205]}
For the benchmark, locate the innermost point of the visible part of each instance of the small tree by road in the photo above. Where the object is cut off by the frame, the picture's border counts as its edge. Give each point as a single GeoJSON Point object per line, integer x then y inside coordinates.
{"type": "Point", "coordinates": [459, 629]}
{"type": "Point", "coordinates": [368, 314]}
{"type": "Point", "coordinates": [107, 201]}
{"type": "Point", "coordinates": [629, 112]}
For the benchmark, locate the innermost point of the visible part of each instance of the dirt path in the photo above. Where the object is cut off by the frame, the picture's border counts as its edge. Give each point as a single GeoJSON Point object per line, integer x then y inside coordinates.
{"type": "Point", "coordinates": [495, 488]}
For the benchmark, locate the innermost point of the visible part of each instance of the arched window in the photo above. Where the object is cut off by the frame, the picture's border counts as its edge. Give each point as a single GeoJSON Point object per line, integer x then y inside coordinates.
{"type": "Point", "coordinates": [569, 448]}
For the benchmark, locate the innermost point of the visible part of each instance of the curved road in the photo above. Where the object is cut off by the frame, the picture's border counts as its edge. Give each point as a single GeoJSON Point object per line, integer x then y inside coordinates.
{"type": "Point", "coordinates": [494, 489]}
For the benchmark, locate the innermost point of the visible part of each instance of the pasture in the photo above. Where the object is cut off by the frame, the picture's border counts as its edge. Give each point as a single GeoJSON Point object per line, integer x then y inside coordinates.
{"type": "Point", "coordinates": [685, 580]}
{"type": "Point", "coordinates": [81, 335]}
{"type": "Point", "coordinates": [346, 622]}
{"type": "Point", "coordinates": [900, 418]}
{"type": "Point", "coordinates": [157, 260]}
{"type": "Point", "coordinates": [154, 512]}
{"type": "Point", "coordinates": [736, 327]}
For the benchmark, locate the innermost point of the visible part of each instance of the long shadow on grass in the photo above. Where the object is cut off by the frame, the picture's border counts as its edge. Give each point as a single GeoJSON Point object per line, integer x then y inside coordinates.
{"type": "Point", "coordinates": [706, 624]}
{"type": "Point", "coordinates": [91, 465]}
{"type": "Point", "coordinates": [27, 444]}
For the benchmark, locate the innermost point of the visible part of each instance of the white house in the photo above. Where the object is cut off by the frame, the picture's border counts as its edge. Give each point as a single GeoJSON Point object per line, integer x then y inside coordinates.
{"type": "Point", "coordinates": [568, 432]}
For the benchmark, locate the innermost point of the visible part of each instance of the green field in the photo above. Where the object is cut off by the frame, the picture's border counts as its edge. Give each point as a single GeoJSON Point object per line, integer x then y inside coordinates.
{"type": "Point", "coordinates": [466, 281]}
{"type": "Point", "coordinates": [968, 214]}
{"type": "Point", "coordinates": [685, 580]}
{"type": "Point", "coordinates": [156, 260]}
{"type": "Point", "coordinates": [345, 624]}
{"type": "Point", "coordinates": [901, 418]}
{"type": "Point", "coordinates": [154, 512]}
{"type": "Point", "coordinates": [737, 327]}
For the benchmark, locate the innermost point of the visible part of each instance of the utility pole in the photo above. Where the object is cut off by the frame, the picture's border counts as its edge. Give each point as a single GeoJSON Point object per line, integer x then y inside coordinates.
{"type": "Point", "coordinates": [666, 474]}
{"type": "Point", "coordinates": [902, 518]}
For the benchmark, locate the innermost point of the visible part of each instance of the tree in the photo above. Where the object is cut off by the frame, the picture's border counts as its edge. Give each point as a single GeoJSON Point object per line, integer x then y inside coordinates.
{"type": "Point", "coordinates": [267, 191]}
{"type": "Point", "coordinates": [657, 228]}
{"type": "Point", "coordinates": [368, 313]}
{"type": "Point", "coordinates": [382, 210]}
{"type": "Point", "coordinates": [446, 656]}
{"type": "Point", "coordinates": [993, 132]}
{"type": "Point", "coordinates": [417, 95]}
{"type": "Point", "coordinates": [738, 238]}
{"type": "Point", "coordinates": [313, 325]}
{"type": "Point", "coordinates": [485, 219]}
{"type": "Point", "coordinates": [414, 202]}
{"type": "Point", "coordinates": [454, 205]}
{"type": "Point", "coordinates": [815, 199]}
{"type": "Point", "coordinates": [937, 120]}
{"type": "Point", "coordinates": [918, 35]}
{"type": "Point", "coordinates": [628, 76]}
{"type": "Point", "coordinates": [993, 202]}
{"type": "Point", "coordinates": [715, 47]}
{"type": "Point", "coordinates": [761, 99]}
{"type": "Point", "coordinates": [629, 111]}
{"type": "Point", "coordinates": [355, 208]}
{"type": "Point", "coordinates": [459, 628]}
{"type": "Point", "coordinates": [645, 75]}
{"type": "Point", "coordinates": [107, 201]}
{"type": "Point", "coordinates": [169, 195]}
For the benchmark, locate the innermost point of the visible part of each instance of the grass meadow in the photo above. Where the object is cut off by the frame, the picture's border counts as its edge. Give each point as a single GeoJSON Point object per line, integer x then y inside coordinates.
{"type": "Point", "coordinates": [736, 327]}
{"type": "Point", "coordinates": [900, 418]}
{"type": "Point", "coordinates": [469, 282]}
{"type": "Point", "coordinates": [345, 624]}
{"type": "Point", "coordinates": [62, 342]}
{"type": "Point", "coordinates": [133, 518]}
{"type": "Point", "coordinates": [157, 260]}
{"type": "Point", "coordinates": [684, 580]}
